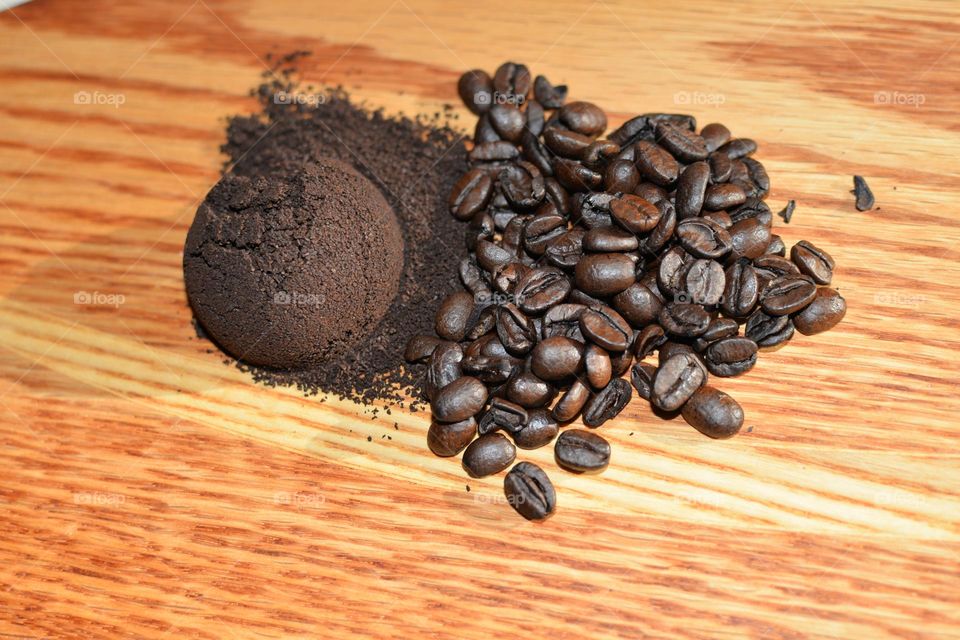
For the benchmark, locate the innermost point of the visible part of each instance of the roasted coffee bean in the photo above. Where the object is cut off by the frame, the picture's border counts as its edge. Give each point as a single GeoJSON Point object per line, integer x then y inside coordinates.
{"type": "Point", "coordinates": [742, 290]}
{"type": "Point", "coordinates": [516, 331]}
{"type": "Point", "coordinates": [826, 310]}
{"type": "Point", "coordinates": [420, 348]}
{"type": "Point", "coordinates": [556, 358]}
{"type": "Point", "coordinates": [673, 266]}
{"type": "Point", "coordinates": [481, 346]}
{"type": "Point", "coordinates": [564, 320]}
{"type": "Point", "coordinates": [470, 194]}
{"type": "Point", "coordinates": [505, 278]}
{"type": "Point", "coordinates": [676, 380]}
{"type": "Point", "coordinates": [530, 492]}
{"type": "Point", "coordinates": [512, 80]}
{"type": "Point", "coordinates": [512, 239]}
{"type": "Point", "coordinates": [621, 176]}
{"type": "Point", "coordinates": [557, 195]}
{"type": "Point", "coordinates": [539, 430]}
{"type": "Point", "coordinates": [484, 131]}
{"type": "Point", "coordinates": [703, 283]}
{"type": "Point", "coordinates": [491, 257]}
{"type": "Point", "coordinates": [758, 174]}
{"type": "Point", "coordinates": [714, 136]}
{"type": "Point", "coordinates": [454, 315]}
{"type": "Point", "coordinates": [599, 153]}
{"type": "Point", "coordinates": [767, 330]}
{"type": "Point", "coordinates": [536, 154]}
{"type": "Point", "coordinates": [749, 237]}
{"type": "Point", "coordinates": [638, 305]}
{"type": "Point", "coordinates": [776, 246]}
{"type": "Point", "coordinates": [604, 274]}
{"type": "Point", "coordinates": [607, 403]}
{"type": "Point", "coordinates": [685, 145]}
{"type": "Point", "coordinates": [813, 262]}
{"type": "Point", "coordinates": [632, 130]}
{"type": "Point", "coordinates": [662, 233]}
{"type": "Point", "coordinates": [610, 239]}
{"type": "Point", "coordinates": [641, 376]}
{"type": "Point", "coordinates": [703, 238]}
{"type": "Point", "coordinates": [482, 227]}
{"type": "Point", "coordinates": [535, 119]}
{"type": "Point", "coordinates": [529, 391]}
{"type": "Point", "coordinates": [671, 348]}
{"type": "Point", "coordinates": [634, 214]}
{"type": "Point", "coordinates": [542, 229]}
{"type": "Point", "coordinates": [584, 117]}
{"type": "Point", "coordinates": [597, 366]}
{"type": "Point", "coordinates": [449, 439]}
{"type": "Point", "coordinates": [489, 369]}
{"type": "Point", "coordinates": [691, 189]}
{"type": "Point", "coordinates": [566, 143]}
{"type": "Point", "coordinates": [566, 250]}
{"type": "Point", "coordinates": [476, 90]}
{"type": "Point", "coordinates": [486, 321]}
{"type": "Point", "coordinates": [550, 96]}
{"type": "Point", "coordinates": [462, 398]}
{"type": "Point", "coordinates": [723, 196]}
{"type": "Point", "coordinates": [656, 164]}
{"type": "Point", "coordinates": [575, 176]}
{"type": "Point", "coordinates": [443, 368]}
{"type": "Point", "coordinates": [488, 455]}
{"type": "Point", "coordinates": [753, 208]}
{"type": "Point", "coordinates": [502, 415]}
{"type": "Point", "coordinates": [730, 356]}
{"type": "Point", "coordinates": [721, 167]}
{"type": "Point", "coordinates": [861, 190]}
{"type": "Point", "coordinates": [719, 328]}
{"type": "Point", "coordinates": [651, 193]}
{"type": "Point", "coordinates": [508, 121]}
{"type": "Point", "coordinates": [787, 294]}
{"type": "Point", "coordinates": [770, 267]}
{"type": "Point", "coordinates": [787, 212]}
{"type": "Point", "coordinates": [721, 218]}
{"type": "Point", "coordinates": [494, 151]}
{"type": "Point", "coordinates": [539, 289]}
{"type": "Point", "coordinates": [570, 404]}
{"type": "Point", "coordinates": [522, 184]}
{"type": "Point", "coordinates": [579, 297]}
{"type": "Point", "coordinates": [606, 328]}
{"type": "Point", "coordinates": [582, 451]}
{"type": "Point", "coordinates": [713, 413]}
{"type": "Point", "coordinates": [738, 148]}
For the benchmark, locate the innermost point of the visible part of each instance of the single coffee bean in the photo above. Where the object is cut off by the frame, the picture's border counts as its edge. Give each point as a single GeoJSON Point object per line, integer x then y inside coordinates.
{"type": "Point", "coordinates": [609, 239]}
{"type": "Point", "coordinates": [656, 164]}
{"type": "Point", "coordinates": [550, 96]}
{"type": "Point", "coordinates": [648, 340]}
{"type": "Point", "coordinates": [476, 90]}
{"type": "Point", "coordinates": [443, 367]}
{"type": "Point", "coordinates": [502, 415]}
{"type": "Point", "coordinates": [721, 167]}
{"type": "Point", "coordinates": [650, 192]}
{"type": "Point", "coordinates": [723, 196]}
{"type": "Point", "coordinates": [758, 174]}
{"type": "Point", "coordinates": [662, 233]}
{"type": "Point", "coordinates": [861, 190]}
{"type": "Point", "coordinates": [533, 151]}
{"type": "Point", "coordinates": [484, 131]}
{"type": "Point", "coordinates": [530, 492]}
{"type": "Point", "coordinates": [632, 130]}
{"type": "Point", "coordinates": [634, 214]}
{"type": "Point", "coordinates": [454, 315]}
{"type": "Point", "coordinates": [684, 319]}
{"type": "Point", "coordinates": [486, 321]}
{"type": "Point", "coordinates": [488, 455]}
{"type": "Point", "coordinates": [731, 356]}
{"type": "Point", "coordinates": [599, 153]}
{"type": "Point", "coordinates": [607, 403]}
{"type": "Point", "coordinates": [638, 305]}
{"type": "Point", "coordinates": [491, 257]}
{"type": "Point", "coordinates": [489, 369]}
{"type": "Point", "coordinates": [703, 238]}
{"type": "Point", "coordinates": [621, 176]}
{"type": "Point", "coordinates": [420, 348]}
{"type": "Point", "coordinates": [564, 320]}
{"type": "Point", "coordinates": [813, 262]}
{"type": "Point", "coordinates": [540, 289]}
{"type": "Point", "coordinates": [470, 194]}
{"type": "Point", "coordinates": [542, 229]}
{"type": "Point", "coordinates": [529, 391]}
{"type": "Point", "coordinates": [749, 237]}
{"type": "Point", "coordinates": [621, 361]}
{"type": "Point", "coordinates": [738, 148]}
{"type": "Point", "coordinates": [753, 208]}
{"type": "Point", "coordinates": [670, 273]}
{"type": "Point", "coordinates": [713, 413]}
{"type": "Point", "coordinates": [592, 210]}
{"type": "Point", "coordinates": [575, 176]}
{"type": "Point", "coordinates": [566, 143]}
{"type": "Point", "coordinates": [703, 283]}
{"type": "Point", "coordinates": [516, 331]}
{"type": "Point", "coordinates": [776, 246]}
{"type": "Point", "coordinates": [597, 365]}
{"type": "Point", "coordinates": [770, 268]}
{"type": "Point", "coordinates": [721, 218]}
{"type": "Point", "coordinates": [641, 375]}
{"type": "Point", "coordinates": [449, 439]}
{"type": "Point", "coordinates": [826, 310]}
{"type": "Point", "coordinates": [556, 358]}
{"type": "Point", "coordinates": [539, 430]}
{"type": "Point", "coordinates": [582, 451]}
{"type": "Point", "coordinates": [508, 121]}
{"type": "Point", "coordinates": [512, 80]}
{"type": "Point", "coordinates": [742, 290]}
{"type": "Point", "coordinates": [535, 119]}
{"type": "Point", "coordinates": [505, 278]}
{"type": "Point", "coordinates": [671, 348]}
{"type": "Point", "coordinates": [522, 185]}
{"type": "Point", "coordinates": [683, 144]}
{"type": "Point", "coordinates": [459, 400]}
{"type": "Point", "coordinates": [570, 404]}
{"type": "Point", "coordinates": [787, 294]}
{"type": "Point", "coordinates": [719, 328]}
{"type": "Point", "coordinates": [691, 189]}
{"type": "Point", "coordinates": [494, 151]}
{"type": "Point", "coordinates": [676, 380]}
{"type": "Point", "coordinates": [604, 274]}
{"type": "Point", "coordinates": [767, 330]}
{"type": "Point", "coordinates": [584, 117]}
{"type": "Point", "coordinates": [714, 136]}
{"type": "Point", "coordinates": [566, 250]}
{"type": "Point", "coordinates": [606, 328]}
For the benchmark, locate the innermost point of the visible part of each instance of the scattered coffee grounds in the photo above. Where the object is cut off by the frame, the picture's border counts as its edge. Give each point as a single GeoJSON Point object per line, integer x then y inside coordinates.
{"type": "Point", "coordinates": [413, 162]}
{"type": "Point", "coordinates": [646, 252]}
{"type": "Point", "coordinates": [293, 270]}
{"type": "Point", "coordinates": [864, 195]}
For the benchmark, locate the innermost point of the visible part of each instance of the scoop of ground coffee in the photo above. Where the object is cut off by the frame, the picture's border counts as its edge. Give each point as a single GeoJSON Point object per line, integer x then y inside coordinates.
{"type": "Point", "coordinates": [288, 270]}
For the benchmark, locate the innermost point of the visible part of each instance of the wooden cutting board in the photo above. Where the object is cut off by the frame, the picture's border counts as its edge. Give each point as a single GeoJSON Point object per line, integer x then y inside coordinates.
{"type": "Point", "coordinates": [151, 490]}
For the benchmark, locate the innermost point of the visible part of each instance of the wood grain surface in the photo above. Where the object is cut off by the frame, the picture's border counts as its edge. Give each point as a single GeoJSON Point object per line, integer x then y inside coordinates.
{"type": "Point", "coordinates": [152, 491]}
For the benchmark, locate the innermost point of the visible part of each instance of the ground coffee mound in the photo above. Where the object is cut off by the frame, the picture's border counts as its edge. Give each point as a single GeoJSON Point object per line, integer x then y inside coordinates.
{"type": "Point", "coordinates": [414, 163]}
{"type": "Point", "coordinates": [293, 270]}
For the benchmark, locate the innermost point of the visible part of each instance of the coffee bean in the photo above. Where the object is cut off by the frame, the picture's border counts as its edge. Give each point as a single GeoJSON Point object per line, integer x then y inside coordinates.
{"type": "Point", "coordinates": [454, 315]}
{"type": "Point", "coordinates": [685, 145]}
{"type": "Point", "coordinates": [621, 176]}
{"type": "Point", "coordinates": [494, 151]}
{"type": "Point", "coordinates": [516, 331]}
{"type": "Point", "coordinates": [634, 214]}
{"type": "Point", "coordinates": [508, 121]}
{"type": "Point", "coordinates": [620, 361]}
{"type": "Point", "coordinates": [719, 328]}
{"type": "Point", "coordinates": [542, 229]}
{"type": "Point", "coordinates": [502, 415]}
{"type": "Point", "coordinates": [484, 131]}
{"type": "Point", "coordinates": [721, 218]}
{"type": "Point", "coordinates": [570, 404]}
{"type": "Point", "coordinates": [731, 356]}
{"type": "Point", "coordinates": [530, 492]}
{"type": "Point", "coordinates": [684, 319]}
{"type": "Point", "coordinates": [703, 238]}
{"type": "Point", "coordinates": [470, 194]}
{"type": "Point", "coordinates": [459, 400]}
{"type": "Point", "coordinates": [443, 368]}
{"type": "Point", "coordinates": [662, 233]}
{"type": "Point", "coordinates": [673, 266]}
{"type": "Point", "coordinates": [556, 358]}
{"type": "Point", "coordinates": [449, 439]}
{"type": "Point", "coordinates": [713, 413]}
{"type": "Point", "coordinates": [787, 212]}
{"type": "Point", "coordinates": [584, 117]}
{"type": "Point", "coordinates": [767, 330]}
{"type": "Point", "coordinates": [582, 451]}
{"type": "Point", "coordinates": [703, 283]}
{"type": "Point", "coordinates": [758, 174]}
{"type": "Point", "coordinates": [721, 167]}
{"type": "Point", "coordinates": [420, 348]}
{"type": "Point", "coordinates": [597, 365]}
{"type": "Point", "coordinates": [539, 430]}
{"type": "Point", "coordinates": [671, 348]}
{"type": "Point", "coordinates": [488, 454]}
{"type": "Point", "coordinates": [489, 369]}
{"type": "Point", "coordinates": [776, 246]}
{"type": "Point", "coordinates": [566, 250]}
{"type": "Point", "coordinates": [753, 208]}
{"type": "Point", "coordinates": [648, 341]}
{"type": "Point", "coordinates": [486, 322]}
{"type": "Point", "coordinates": [607, 403]}
{"type": "Point", "coordinates": [813, 262]}
{"type": "Point", "coordinates": [550, 96]}
{"type": "Point", "coordinates": [490, 256]}
{"type": "Point", "coordinates": [770, 268]}
{"type": "Point", "coordinates": [641, 375]}
{"type": "Point", "coordinates": [604, 274]}
{"type": "Point", "coordinates": [676, 380]}
{"type": "Point", "coordinates": [651, 193]}
{"type": "Point", "coordinates": [599, 153]}
{"type": "Point", "coordinates": [826, 310]}
{"type": "Point", "coordinates": [522, 185]}
{"type": "Point", "coordinates": [529, 391]}
{"type": "Point", "coordinates": [564, 320]}
{"type": "Point", "coordinates": [723, 196]}
{"type": "Point", "coordinates": [606, 328]}
{"type": "Point", "coordinates": [575, 176]}
{"type": "Point", "coordinates": [631, 130]}
{"type": "Point", "coordinates": [742, 290]}
{"type": "Point", "coordinates": [566, 143]}
{"type": "Point", "coordinates": [540, 289]}
{"type": "Point", "coordinates": [535, 119]}
{"type": "Point", "coordinates": [749, 237]}
{"type": "Point", "coordinates": [691, 189]}
{"type": "Point", "coordinates": [861, 190]}
{"type": "Point", "coordinates": [476, 90]}
{"type": "Point", "coordinates": [609, 239]}
{"type": "Point", "coordinates": [638, 305]}
{"type": "Point", "coordinates": [738, 148]}
{"type": "Point", "coordinates": [787, 294]}
{"type": "Point", "coordinates": [714, 136]}
{"type": "Point", "coordinates": [512, 80]}
{"type": "Point", "coordinates": [656, 164]}
{"type": "Point", "coordinates": [505, 278]}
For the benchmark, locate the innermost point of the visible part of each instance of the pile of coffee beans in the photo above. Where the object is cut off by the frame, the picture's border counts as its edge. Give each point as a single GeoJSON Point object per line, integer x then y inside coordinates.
{"type": "Point", "coordinates": [591, 258]}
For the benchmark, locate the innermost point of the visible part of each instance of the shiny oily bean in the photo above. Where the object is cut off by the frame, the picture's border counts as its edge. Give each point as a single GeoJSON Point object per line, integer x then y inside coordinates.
{"type": "Point", "coordinates": [489, 369]}
{"type": "Point", "coordinates": [609, 240]}
{"type": "Point", "coordinates": [753, 208]}
{"type": "Point", "coordinates": [621, 361]}
{"type": "Point", "coordinates": [656, 164]}
{"type": "Point", "coordinates": [738, 148]}
{"type": "Point", "coordinates": [549, 95]}
{"type": "Point", "coordinates": [676, 380]}
{"type": "Point", "coordinates": [713, 413]}
{"type": "Point", "coordinates": [582, 451]}
{"type": "Point", "coordinates": [723, 196]}
{"type": "Point", "coordinates": [638, 305]}
{"type": "Point", "coordinates": [749, 237]}
{"type": "Point", "coordinates": [731, 356]}
{"type": "Point", "coordinates": [648, 340]}
{"type": "Point", "coordinates": [721, 218]}
{"type": "Point", "coordinates": [491, 257]}
{"type": "Point", "coordinates": [741, 291]}
{"type": "Point", "coordinates": [634, 214]}
{"type": "Point", "coordinates": [470, 194]}
{"type": "Point", "coordinates": [494, 151]}
{"type": "Point", "coordinates": [459, 400]}
{"type": "Point", "coordinates": [597, 366]}
{"type": "Point", "coordinates": [529, 391]}
{"type": "Point", "coordinates": [512, 79]}
{"type": "Point", "coordinates": [542, 229]}
{"type": "Point", "coordinates": [540, 289]}
{"type": "Point", "coordinates": [826, 310]}
{"type": "Point", "coordinates": [488, 455]}
{"type": "Point", "coordinates": [671, 348]}
{"type": "Point", "coordinates": [776, 246]}
{"type": "Point", "coordinates": [720, 168]}
{"type": "Point", "coordinates": [502, 415]}
{"type": "Point", "coordinates": [719, 328]}
{"type": "Point", "coordinates": [575, 176]}
{"type": "Point", "coordinates": [686, 320]}
{"type": "Point", "coordinates": [508, 121]}
{"type": "Point", "coordinates": [539, 430]}
{"type": "Point", "coordinates": [592, 210]}
{"type": "Point", "coordinates": [651, 192]}
{"type": "Point", "coordinates": [787, 294]}
{"type": "Point", "coordinates": [530, 492]}
{"type": "Point", "coordinates": [420, 347]}
{"type": "Point", "coordinates": [516, 331]}
{"type": "Point", "coordinates": [604, 274]}
{"type": "Point", "coordinates": [683, 144]}
{"type": "Point", "coordinates": [715, 135]}
{"type": "Point", "coordinates": [607, 403]}
{"type": "Point", "coordinates": [563, 320]}
{"type": "Point", "coordinates": [670, 272]}
{"type": "Point", "coordinates": [621, 176]}
{"type": "Point", "coordinates": [566, 143]}
{"type": "Point", "coordinates": [443, 367]}
{"type": "Point", "coordinates": [703, 283]}
{"type": "Point", "coordinates": [663, 232]}
{"type": "Point", "coordinates": [584, 117]}
{"type": "Point", "coordinates": [454, 315]}
{"type": "Point", "coordinates": [570, 404]}
{"type": "Point", "coordinates": [566, 250]}
{"type": "Point", "coordinates": [606, 328]}
{"type": "Point", "coordinates": [772, 267]}
{"type": "Point", "coordinates": [556, 358]}
{"type": "Point", "coordinates": [641, 377]}
{"type": "Point", "coordinates": [522, 185]}
{"type": "Point", "coordinates": [768, 331]}
{"type": "Point", "coordinates": [703, 238]}
{"type": "Point", "coordinates": [813, 262]}
{"type": "Point", "coordinates": [691, 190]}
{"type": "Point", "coordinates": [476, 90]}
{"type": "Point", "coordinates": [449, 439]}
